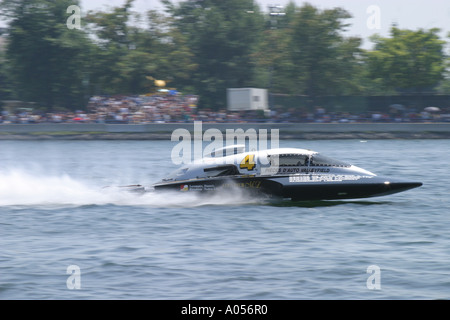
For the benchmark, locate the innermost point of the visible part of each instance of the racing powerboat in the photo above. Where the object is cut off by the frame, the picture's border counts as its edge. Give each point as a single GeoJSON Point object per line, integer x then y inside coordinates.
{"type": "Point", "coordinates": [296, 174]}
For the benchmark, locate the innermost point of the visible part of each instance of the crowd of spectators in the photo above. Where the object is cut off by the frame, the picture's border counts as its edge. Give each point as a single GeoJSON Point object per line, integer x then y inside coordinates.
{"type": "Point", "coordinates": [173, 108]}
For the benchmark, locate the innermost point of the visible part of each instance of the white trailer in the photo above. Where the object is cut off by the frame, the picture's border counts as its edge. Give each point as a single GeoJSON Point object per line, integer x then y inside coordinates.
{"type": "Point", "coordinates": [240, 99]}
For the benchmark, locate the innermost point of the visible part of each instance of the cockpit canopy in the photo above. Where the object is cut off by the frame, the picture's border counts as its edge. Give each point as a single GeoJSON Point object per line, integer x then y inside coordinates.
{"type": "Point", "coordinates": [241, 163]}
{"type": "Point", "coordinates": [308, 160]}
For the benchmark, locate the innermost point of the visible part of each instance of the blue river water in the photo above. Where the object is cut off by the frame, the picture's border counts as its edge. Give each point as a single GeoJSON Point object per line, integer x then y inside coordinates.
{"type": "Point", "coordinates": [63, 236]}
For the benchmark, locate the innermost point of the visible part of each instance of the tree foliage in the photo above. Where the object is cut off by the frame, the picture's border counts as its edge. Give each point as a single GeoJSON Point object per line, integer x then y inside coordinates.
{"type": "Point", "coordinates": [321, 55]}
{"type": "Point", "coordinates": [203, 47]}
{"type": "Point", "coordinates": [222, 35]}
{"type": "Point", "coordinates": [408, 61]}
{"type": "Point", "coordinates": [129, 55]}
{"type": "Point", "coordinates": [47, 61]}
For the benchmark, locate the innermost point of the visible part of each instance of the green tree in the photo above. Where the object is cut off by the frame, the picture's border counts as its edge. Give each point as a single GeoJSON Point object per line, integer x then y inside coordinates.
{"type": "Point", "coordinates": [172, 58]}
{"type": "Point", "coordinates": [129, 52]}
{"type": "Point", "coordinates": [47, 58]}
{"type": "Point", "coordinates": [273, 58]}
{"type": "Point", "coordinates": [408, 61]}
{"type": "Point", "coordinates": [324, 60]}
{"type": "Point", "coordinates": [111, 32]}
{"type": "Point", "coordinates": [5, 79]}
{"type": "Point", "coordinates": [444, 87]}
{"type": "Point", "coordinates": [222, 35]}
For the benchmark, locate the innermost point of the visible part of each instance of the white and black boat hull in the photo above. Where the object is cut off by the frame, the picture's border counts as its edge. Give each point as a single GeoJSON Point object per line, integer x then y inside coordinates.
{"type": "Point", "coordinates": [296, 174]}
{"type": "Point", "coordinates": [288, 187]}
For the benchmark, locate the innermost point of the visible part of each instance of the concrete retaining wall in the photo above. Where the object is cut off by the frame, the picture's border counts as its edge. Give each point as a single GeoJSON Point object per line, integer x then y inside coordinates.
{"type": "Point", "coordinates": [285, 128]}
{"type": "Point", "coordinates": [163, 131]}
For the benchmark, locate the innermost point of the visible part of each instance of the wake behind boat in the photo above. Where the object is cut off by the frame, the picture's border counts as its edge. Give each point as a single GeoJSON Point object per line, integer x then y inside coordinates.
{"type": "Point", "coordinates": [289, 173]}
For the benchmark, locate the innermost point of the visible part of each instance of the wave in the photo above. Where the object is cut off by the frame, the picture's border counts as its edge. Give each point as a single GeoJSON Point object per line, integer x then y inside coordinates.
{"type": "Point", "coordinates": [20, 187]}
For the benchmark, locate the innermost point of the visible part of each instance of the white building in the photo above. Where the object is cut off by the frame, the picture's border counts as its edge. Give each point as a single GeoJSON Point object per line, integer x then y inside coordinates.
{"type": "Point", "coordinates": [240, 99]}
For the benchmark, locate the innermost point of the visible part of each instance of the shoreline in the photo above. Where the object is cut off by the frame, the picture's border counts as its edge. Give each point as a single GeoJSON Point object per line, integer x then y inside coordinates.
{"type": "Point", "coordinates": [286, 131]}
{"type": "Point", "coordinates": [167, 136]}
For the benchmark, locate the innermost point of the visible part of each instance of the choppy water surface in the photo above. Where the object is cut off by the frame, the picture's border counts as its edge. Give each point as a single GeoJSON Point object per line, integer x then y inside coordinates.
{"type": "Point", "coordinates": [54, 213]}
